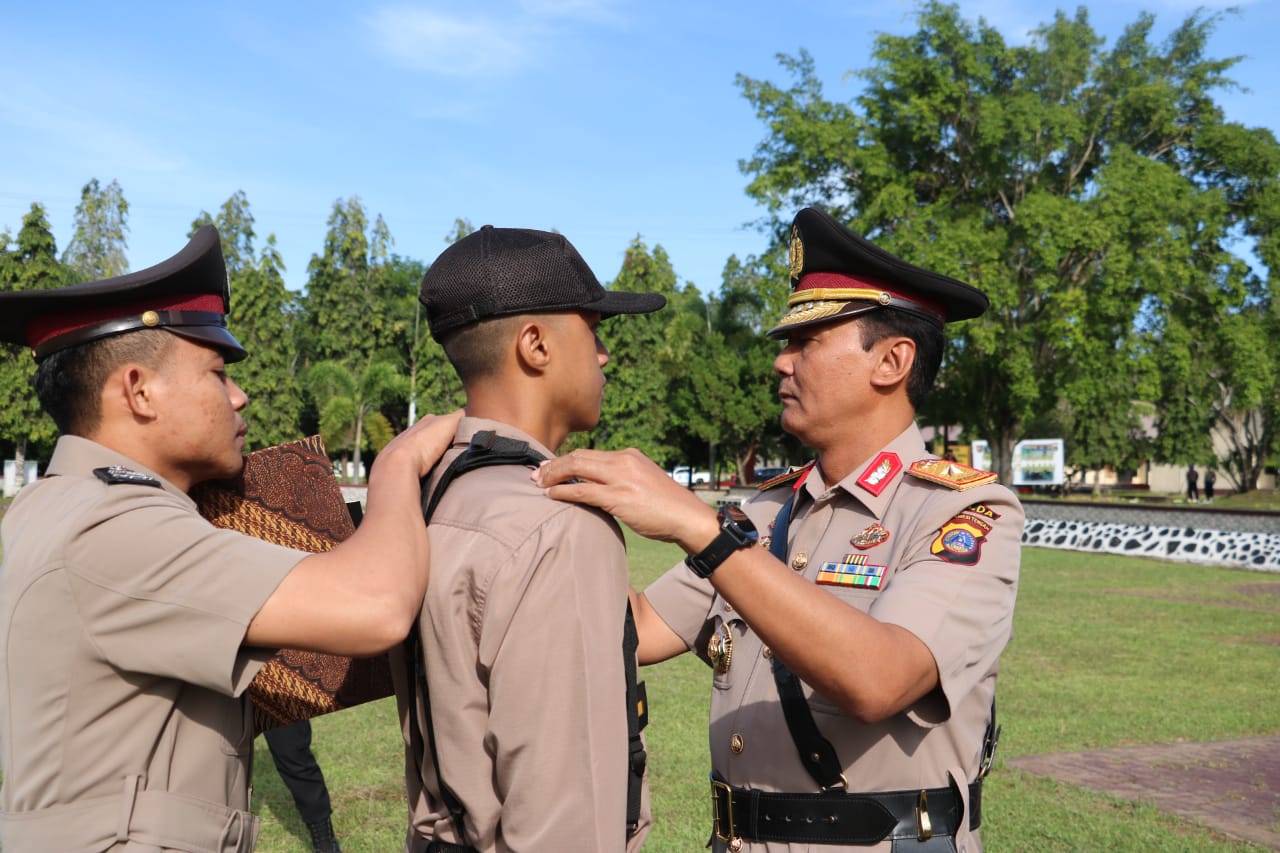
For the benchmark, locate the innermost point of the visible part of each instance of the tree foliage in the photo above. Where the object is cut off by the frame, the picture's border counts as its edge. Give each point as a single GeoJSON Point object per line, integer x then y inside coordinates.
{"type": "Point", "coordinates": [349, 405]}
{"type": "Point", "coordinates": [634, 413]}
{"type": "Point", "coordinates": [28, 263]}
{"type": "Point", "coordinates": [100, 236]}
{"type": "Point", "coordinates": [348, 290]}
{"type": "Point", "coordinates": [1094, 195]}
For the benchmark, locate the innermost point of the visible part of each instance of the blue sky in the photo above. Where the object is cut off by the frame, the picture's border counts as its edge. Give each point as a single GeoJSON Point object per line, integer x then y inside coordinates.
{"type": "Point", "coordinates": [603, 119]}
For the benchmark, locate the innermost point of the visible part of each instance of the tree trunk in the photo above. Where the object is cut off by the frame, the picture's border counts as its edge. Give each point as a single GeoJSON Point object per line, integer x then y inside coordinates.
{"type": "Point", "coordinates": [20, 458]}
{"type": "Point", "coordinates": [355, 468]}
{"type": "Point", "coordinates": [1002, 456]}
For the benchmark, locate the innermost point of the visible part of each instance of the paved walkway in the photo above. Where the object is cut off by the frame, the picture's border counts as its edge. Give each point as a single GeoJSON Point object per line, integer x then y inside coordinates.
{"type": "Point", "coordinates": [1232, 786]}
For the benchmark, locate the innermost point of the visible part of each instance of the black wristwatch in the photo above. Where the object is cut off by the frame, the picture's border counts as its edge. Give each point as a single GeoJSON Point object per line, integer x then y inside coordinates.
{"type": "Point", "coordinates": [736, 531]}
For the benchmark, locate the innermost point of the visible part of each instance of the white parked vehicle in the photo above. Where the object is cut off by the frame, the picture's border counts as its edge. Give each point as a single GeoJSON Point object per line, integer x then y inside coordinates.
{"type": "Point", "coordinates": [681, 475]}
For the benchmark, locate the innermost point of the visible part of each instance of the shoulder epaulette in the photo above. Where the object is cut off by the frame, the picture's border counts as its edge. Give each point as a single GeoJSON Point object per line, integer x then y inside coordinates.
{"type": "Point", "coordinates": [953, 475]}
{"type": "Point", "coordinates": [119, 475]}
{"type": "Point", "coordinates": [781, 479]}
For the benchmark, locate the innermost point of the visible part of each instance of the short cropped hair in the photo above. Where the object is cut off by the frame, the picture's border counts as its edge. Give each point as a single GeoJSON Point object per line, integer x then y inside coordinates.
{"type": "Point", "coordinates": [69, 382]}
{"type": "Point", "coordinates": [928, 338]}
{"type": "Point", "coordinates": [476, 351]}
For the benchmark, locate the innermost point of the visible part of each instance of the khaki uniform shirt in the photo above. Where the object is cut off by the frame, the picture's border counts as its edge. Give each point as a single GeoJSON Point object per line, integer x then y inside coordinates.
{"type": "Point", "coordinates": [957, 599]}
{"type": "Point", "coordinates": [121, 722]}
{"type": "Point", "coordinates": [522, 638]}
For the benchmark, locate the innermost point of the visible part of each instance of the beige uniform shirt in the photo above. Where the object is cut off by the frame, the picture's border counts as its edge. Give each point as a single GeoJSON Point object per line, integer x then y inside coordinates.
{"type": "Point", "coordinates": [123, 612]}
{"type": "Point", "coordinates": [947, 563]}
{"type": "Point", "coordinates": [522, 638]}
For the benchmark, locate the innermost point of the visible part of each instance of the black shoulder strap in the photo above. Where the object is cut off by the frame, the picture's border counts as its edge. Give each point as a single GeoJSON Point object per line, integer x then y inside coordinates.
{"type": "Point", "coordinates": [486, 448]}
{"type": "Point", "coordinates": [637, 719]}
{"type": "Point", "coordinates": [816, 752]}
{"type": "Point", "coordinates": [489, 448]}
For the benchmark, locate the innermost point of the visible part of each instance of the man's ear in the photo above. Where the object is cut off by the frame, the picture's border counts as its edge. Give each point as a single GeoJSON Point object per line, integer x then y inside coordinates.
{"type": "Point", "coordinates": [897, 355]}
{"type": "Point", "coordinates": [131, 390]}
{"type": "Point", "coordinates": [533, 345]}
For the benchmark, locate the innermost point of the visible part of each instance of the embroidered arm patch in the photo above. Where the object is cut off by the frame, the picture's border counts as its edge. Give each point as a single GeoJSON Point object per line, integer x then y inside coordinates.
{"type": "Point", "coordinates": [960, 539]}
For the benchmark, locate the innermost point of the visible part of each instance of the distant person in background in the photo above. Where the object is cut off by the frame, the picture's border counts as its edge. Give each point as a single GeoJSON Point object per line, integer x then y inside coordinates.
{"type": "Point", "coordinates": [1193, 483]}
{"type": "Point", "coordinates": [1209, 479]}
{"type": "Point", "coordinates": [291, 751]}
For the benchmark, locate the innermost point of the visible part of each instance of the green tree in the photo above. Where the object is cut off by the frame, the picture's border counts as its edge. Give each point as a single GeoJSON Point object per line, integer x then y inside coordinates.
{"type": "Point", "coordinates": [98, 243]}
{"type": "Point", "coordinates": [723, 387]}
{"type": "Point", "coordinates": [436, 387]}
{"type": "Point", "coordinates": [351, 307]}
{"type": "Point", "coordinates": [263, 314]}
{"type": "Point", "coordinates": [1085, 191]}
{"type": "Point", "coordinates": [30, 263]}
{"type": "Point", "coordinates": [349, 405]}
{"type": "Point", "coordinates": [636, 410]}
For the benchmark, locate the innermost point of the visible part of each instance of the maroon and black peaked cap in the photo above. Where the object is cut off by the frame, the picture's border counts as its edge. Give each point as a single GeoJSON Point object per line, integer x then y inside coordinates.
{"type": "Point", "coordinates": [837, 274]}
{"type": "Point", "coordinates": [496, 272]}
{"type": "Point", "coordinates": [186, 294]}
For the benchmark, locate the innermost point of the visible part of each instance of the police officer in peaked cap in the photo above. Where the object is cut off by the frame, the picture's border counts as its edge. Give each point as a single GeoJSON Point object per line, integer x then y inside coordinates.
{"type": "Point", "coordinates": [853, 612]}
{"type": "Point", "coordinates": [130, 627]}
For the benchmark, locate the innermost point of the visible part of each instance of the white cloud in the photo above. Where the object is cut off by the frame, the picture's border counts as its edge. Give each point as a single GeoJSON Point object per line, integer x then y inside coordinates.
{"type": "Point", "coordinates": [596, 10]}
{"type": "Point", "coordinates": [425, 40]}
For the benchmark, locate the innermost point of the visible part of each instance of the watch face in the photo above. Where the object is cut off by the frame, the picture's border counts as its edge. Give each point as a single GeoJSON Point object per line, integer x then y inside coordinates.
{"type": "Point", "coordinates": [734, 513]}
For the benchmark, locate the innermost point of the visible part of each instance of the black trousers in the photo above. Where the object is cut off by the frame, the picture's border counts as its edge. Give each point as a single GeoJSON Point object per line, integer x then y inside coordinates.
{"type": "Point", "coordinates": [291, 751]}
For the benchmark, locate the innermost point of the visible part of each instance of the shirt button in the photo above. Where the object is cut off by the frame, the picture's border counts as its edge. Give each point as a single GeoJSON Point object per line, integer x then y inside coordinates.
{"type": "Point", "coordinates": [728, 608]}
{"type": "Point", "coordinates": [799, 561]}
{"type": "Point", "coordinates": [735, 744]}
{"type": "Point", "coordinates": [768, 653]}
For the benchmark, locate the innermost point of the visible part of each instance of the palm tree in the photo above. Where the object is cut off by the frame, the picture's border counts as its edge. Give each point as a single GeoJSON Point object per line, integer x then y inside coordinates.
{"type": "Point", "coordinates": [349, 404]}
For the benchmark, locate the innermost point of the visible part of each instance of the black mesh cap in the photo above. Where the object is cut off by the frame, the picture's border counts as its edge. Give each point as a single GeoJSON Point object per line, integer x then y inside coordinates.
{"type": "Point", "coordinates": [495, 272]}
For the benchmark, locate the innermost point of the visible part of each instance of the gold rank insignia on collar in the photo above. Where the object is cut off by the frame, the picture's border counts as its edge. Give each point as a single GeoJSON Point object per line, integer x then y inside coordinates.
{"type": "Point", "coordinates": [789, 477]}
{"type": "Point", "coordinates": [950, 474]}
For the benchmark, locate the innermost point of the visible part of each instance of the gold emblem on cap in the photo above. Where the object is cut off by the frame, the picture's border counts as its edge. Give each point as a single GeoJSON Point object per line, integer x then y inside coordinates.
{"type": "Point", "coordinates": [796, 253]}
{"type": "Point", "coordinates": [150, 319]}
{"type": "Point", "coordinates": [799, 561]}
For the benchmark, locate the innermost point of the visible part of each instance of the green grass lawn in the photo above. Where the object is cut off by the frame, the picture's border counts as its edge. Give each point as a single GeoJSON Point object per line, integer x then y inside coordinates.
{"type": "Point", "coordinates": [1108, 651]}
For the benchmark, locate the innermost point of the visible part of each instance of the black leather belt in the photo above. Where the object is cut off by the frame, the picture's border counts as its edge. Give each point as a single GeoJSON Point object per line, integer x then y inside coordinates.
{"type": "Point", "coordinates": [840, 818]}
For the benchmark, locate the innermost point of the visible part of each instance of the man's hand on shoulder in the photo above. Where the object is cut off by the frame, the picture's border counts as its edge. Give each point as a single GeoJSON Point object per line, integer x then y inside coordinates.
{"type": "Point", "coordinates": [422, 444]}
{"type": "Point", "coordinates": [629, 486]}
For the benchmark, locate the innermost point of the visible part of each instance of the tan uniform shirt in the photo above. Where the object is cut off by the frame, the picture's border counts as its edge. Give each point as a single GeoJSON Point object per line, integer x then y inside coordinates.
{"type": "Point", "coordinates": [957, 598]}
{"type": "Point", "coordinates": [123, 614]}
{"type": "Point", "coordinates": [522, 638]}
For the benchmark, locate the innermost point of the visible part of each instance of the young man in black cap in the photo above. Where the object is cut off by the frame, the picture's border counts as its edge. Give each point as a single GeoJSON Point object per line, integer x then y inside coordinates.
{"type": "Point", "coordinates": [856, 607]}
{"type": "Point", "coordinates": [521, 738]}
{"type": "Point", "coordinates": [130, 627]}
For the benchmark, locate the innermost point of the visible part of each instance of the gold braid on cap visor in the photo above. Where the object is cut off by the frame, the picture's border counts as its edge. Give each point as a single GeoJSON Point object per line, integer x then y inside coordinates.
{"type": "Point", "coordinates": [815, 303]}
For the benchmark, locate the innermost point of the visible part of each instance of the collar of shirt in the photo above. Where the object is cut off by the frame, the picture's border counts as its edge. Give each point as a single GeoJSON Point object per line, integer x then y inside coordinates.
{"type": "Point", "coordinates": [908, 447]}
{"type": "Point", "coordinates": [74, 456]}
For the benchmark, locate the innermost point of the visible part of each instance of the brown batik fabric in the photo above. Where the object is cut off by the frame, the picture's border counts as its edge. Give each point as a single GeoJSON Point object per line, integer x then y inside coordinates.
{"type": "Point", "coordinates": [288, 495]}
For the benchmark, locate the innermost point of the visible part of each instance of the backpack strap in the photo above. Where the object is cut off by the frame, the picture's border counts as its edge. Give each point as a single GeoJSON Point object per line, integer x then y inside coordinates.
{"type": "Point", "coordinates": [637, 719]}
{"type": "Point", "coordinates": [488, 448]}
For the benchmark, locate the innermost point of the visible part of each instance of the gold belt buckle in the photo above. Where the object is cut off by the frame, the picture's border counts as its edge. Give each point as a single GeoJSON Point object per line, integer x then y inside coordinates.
{"type": "Point", "coordinates": [723, 833]}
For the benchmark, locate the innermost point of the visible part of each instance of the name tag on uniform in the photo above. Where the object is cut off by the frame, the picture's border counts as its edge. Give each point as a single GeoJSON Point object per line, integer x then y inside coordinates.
{"type": "Point", "coordinates": [853, 571]}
